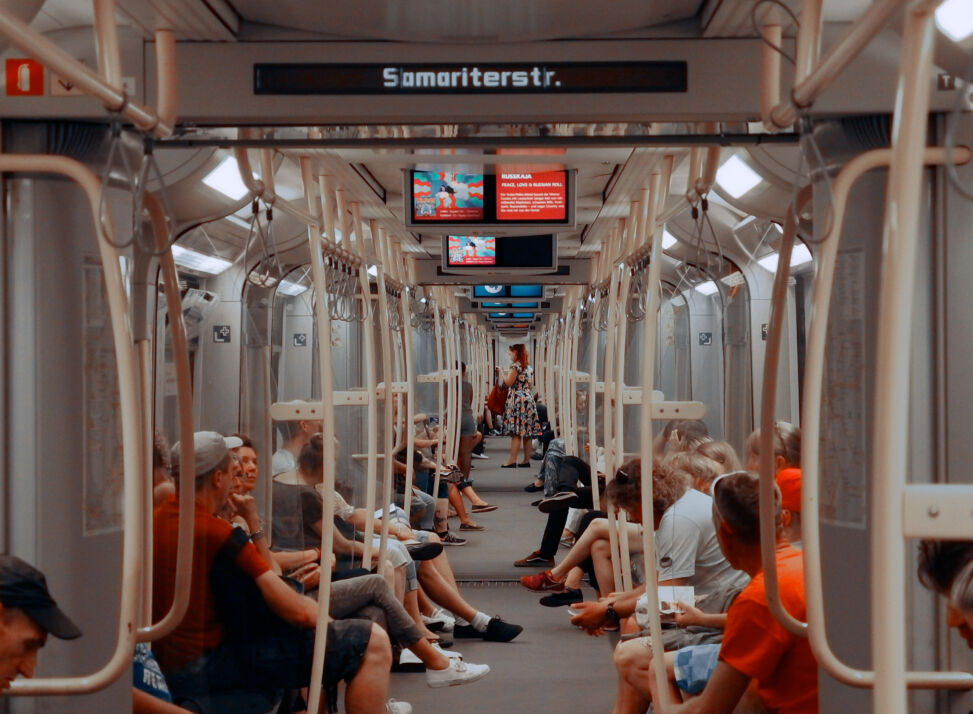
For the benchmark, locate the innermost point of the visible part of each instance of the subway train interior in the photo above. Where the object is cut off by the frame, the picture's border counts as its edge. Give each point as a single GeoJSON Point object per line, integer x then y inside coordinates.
{"type": "Point", "coordinates": [653, 218]}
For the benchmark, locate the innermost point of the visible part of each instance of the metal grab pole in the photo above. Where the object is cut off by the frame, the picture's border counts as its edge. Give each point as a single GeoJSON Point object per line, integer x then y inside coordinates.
{"type": "Point", "coordinates": [811, 428]}
{"type": "Point", "coordinates": [383, 308]}
{"type": "Point", "coordinates": [371, 388]}
{"type": "Point", "coordinates": [128, 388]}
{"type": "Point", "coordinates": [267, 355]}
{"type": "Point", "coordinates": [410, 404]}
{"type": "Point", "coordinates": [322, 320]}
{"type": "Point", "coordinates": [575, 346]}
{"type": "Point", "coordinates": [611, 461]}
{"type": "Point", "coordinates": [184, 400]}
{"type": "Point", "coordinates": [440, 397]}
{"type": "Point", "coordinates": [647, 456]}
{"type": "Point", "coordinates": [106, 42]}
{"type": "Point", "coordinates": [618, 391]}
{"type": "Point", "coordinates": [768, 401]}
{"type": "Point", "coordinates": [144, 353]}
{"type": "Point", "coordinates": [592, 432]}
{"type": "Point", "coordinates": [890, 452]}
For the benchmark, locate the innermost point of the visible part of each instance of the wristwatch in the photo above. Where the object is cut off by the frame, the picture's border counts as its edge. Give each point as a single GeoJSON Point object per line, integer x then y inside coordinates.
{"type": "Point", "coordinates": [610, 613]}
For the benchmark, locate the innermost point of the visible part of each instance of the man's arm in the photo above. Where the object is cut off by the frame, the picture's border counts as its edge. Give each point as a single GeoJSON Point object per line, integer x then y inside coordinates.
{"type": "Point", "coordinates": [593, 616]}
{"type": "Point", "coordinates": [722, 693]}
{"type": "Point", "coordinates": [288, 605]}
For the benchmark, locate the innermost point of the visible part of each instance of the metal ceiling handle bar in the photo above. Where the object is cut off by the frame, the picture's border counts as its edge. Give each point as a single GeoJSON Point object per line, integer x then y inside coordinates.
{"type": "Point", "coordinates": [322, 319]}
{"type": "Point", "coordinates": [128, 387]}
{"type": "Point", "coordinates": [815, 81]}
{"type": "Point", "coordinates": [893, 361]}
{"type": "Point", "coordinates": [184, 399]}
{"type": "Point", "coordinates": [768, 400]}
{"type": "Point", "coordinates": [649, 328]}
{"type": "Point", "coordinates": [811, 427]}
{"type": "Point", "coordinates": [106, 42]}
{"type": "Point", "coordinates": [112, 96]}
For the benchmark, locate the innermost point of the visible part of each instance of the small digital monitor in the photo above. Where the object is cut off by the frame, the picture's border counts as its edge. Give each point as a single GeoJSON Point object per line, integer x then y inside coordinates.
{"type": "Point", "coordinates": [528, 197]}
{"type": "Point", "coordinates": [496, 304]}
{"type": "Point", "coordinates": [526, 291]}
{"type": "Point", "coordinates": [524, 315]}
{"type": "Point", "coordinates": [463, 251]}
{"type": "Point", "coordinates": [490, 291]}
{"type": "Point", "coordinates": [445, 197]}
{"type": "Point", "coordinates": [499, 315]}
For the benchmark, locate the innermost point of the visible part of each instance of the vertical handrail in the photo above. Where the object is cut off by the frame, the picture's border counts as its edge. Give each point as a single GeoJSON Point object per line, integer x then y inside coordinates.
{"type": "Point", "coordinates": [811, 429]}
{"type": "Point", "coordinates": [592, 432]}
{"type": "Point", "coordinates": [322, 319]}
{"type": "Point", "coordinates": [410, 404]}
{"type": "Point", "coordinates": [386, 338]}
{"type": "Point", "coordinates": [106, 43]}
{"type": "Point", "coordinates": [890, 447]}
{"type": "Point", "coordinates": [167, 96]}
{"type": "Point", "coordinates": [768, 402]}
{"type": "Point", "coordinates": [611, 461]}
{"type": "Point", "coordinates": [440, 396]}
{"type": "Point", "coordinates": [371, 388]}
{"type": "Point", "coordinates": [575, 348]}
{"type": "Point", "coordinates": [266, 357]}
{"type": "Point", "coordinates": [128, 388]}
{"type": "Point", "coordinates": [144, 354]}
{"type": "Point", "coordinates": [646, 450]}
{"type": "Point", "coordinates": [618, 392]}
{"type": "Point", "coordinates": [184, 391]}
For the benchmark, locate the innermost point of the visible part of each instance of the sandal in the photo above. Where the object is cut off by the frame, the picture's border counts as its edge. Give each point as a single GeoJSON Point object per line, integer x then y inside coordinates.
{"type": "Point", "coordinates": [470, 527]}
{"type": "Point", "coordinates": [525, 465]}
{"type": "Point", "coordinates": [509, 466]}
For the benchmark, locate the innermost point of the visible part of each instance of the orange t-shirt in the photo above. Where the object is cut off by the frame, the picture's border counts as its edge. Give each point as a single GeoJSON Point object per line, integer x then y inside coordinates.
{"type": "Point", "coordinates": [200, 630]}
{"type": "Point", "coordinates": [756, 645]}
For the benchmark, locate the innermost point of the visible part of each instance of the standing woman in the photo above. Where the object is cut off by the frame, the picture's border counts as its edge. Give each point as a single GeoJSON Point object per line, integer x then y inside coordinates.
{"type": "Point", "coordinates": [520, 420]}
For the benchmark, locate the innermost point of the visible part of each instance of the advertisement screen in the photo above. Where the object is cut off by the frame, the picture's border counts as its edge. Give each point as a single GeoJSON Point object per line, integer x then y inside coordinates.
{"type": "Point", "coordinates": [533, 196]}
{"type": "Point", "coordinates": [493, 291]}
{"type": "Point", "coordinates": [526, 291]}
{"type": "Point", "coordinates": [439, 196]}
{"type": "Point", "coordinates": [472, 250]}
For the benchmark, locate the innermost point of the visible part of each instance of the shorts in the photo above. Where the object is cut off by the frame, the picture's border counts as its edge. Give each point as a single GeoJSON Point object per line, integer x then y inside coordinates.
{"type": "Point", "coordinates": [467, 426]}
{"type": "Point", "coordinates": [694, 666]}
{"type": "Point", "coordinates": [276, 662]}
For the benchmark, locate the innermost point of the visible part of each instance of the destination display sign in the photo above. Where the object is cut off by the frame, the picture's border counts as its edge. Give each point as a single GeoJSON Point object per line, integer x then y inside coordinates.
{"type": "Point", "coordinates": [272, 78]}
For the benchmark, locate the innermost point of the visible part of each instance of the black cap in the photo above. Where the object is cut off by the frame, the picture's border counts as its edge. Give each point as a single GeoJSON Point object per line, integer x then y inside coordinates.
{"type": "Point", "coordinates": [24, 587]}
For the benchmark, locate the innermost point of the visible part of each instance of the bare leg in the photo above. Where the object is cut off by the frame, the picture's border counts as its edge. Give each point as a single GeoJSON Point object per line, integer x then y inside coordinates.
{"type": "Point", "coordinates": [514, 448]}
{"type": "Point", "coordinates": [398, 584]}
{"type": "Point", "coordinates": [526, 441]}
{"type": "Point", "coordinates": [440, 524]}
{"type": "Point", "coordinates": [411, 605]}
{"type": "Point", "coordinates": [466, 444]}
{"type": "Point", "coordinates": [425, 604]}
{"type": "Point", "coordinates": [581, 548]}
{"type": "Point", "coordinates": [474, 498]}
{"type": "Point", "coordinates": [442, 593]}
{"type": "Point", "coordinates": [456, 500]}
{"type": "Point", "coordinates": [601, 558]}
{"type": "Point", "coordinates": [368, 690]}
{"type": "Point", "coordinates": [573, 581]}
{"type": "Point", "coordinates": [429, 656]}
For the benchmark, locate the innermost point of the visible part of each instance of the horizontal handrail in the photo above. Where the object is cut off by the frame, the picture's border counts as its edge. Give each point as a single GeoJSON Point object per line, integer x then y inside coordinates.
{"type": "Point", "coordinates": [128, 387]}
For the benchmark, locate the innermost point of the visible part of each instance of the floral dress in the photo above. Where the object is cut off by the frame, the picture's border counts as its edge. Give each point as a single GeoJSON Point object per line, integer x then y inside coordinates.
{"type": "Point", "coordinates": [520, 413]}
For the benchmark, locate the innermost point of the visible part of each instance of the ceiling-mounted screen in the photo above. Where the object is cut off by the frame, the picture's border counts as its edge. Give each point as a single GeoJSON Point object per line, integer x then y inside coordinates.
{"type": "Point", "coordinates": [501, 253]}
{"type": "Point", "coordinates": [507, 199]}
{"type": "Point", "coordinates": [508, 291]}
{"type": "Point", "coordinates": [471, 250]}
{"type": "Point", "coordinates": [444, 197]}
{"type": "Point", "coordinates": [526, 291]}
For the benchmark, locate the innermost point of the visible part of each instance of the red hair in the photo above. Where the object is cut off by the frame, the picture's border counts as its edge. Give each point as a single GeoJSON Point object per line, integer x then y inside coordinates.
{"type": "Point", "coordinates": [520, 354]}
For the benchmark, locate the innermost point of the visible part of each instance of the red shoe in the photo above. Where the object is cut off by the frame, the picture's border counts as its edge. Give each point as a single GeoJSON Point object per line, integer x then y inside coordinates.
{"type": "Point", "coordinates": [542, 582]}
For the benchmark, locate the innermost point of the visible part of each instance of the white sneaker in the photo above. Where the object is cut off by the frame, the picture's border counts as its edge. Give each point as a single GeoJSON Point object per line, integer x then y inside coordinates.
{"type": "Point", "coordinates": [449, 654]}
{"type": "Point", "coordinates": [440, 616]}
{"type": "Point", "coordinates": [409, 659]}
{"type": "Point", "coordinates": [458, 672]}
{"type": "Point", "coordinates": [479, 456]}
{"type": "Point", "coordinates": [394, 707]}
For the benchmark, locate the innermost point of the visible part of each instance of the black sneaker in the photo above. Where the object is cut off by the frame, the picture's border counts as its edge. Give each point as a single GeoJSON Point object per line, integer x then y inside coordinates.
{"type": "Point", "coordinates": [496, 631]}
{"type": "Point", "coordinates": [424, 551]}
{"type": "Point", "coordinates": [567, 597]}
{"type": "Point", "coordinates": [450, 539]}
{"type": "Point", "coordinates": [558, 502]}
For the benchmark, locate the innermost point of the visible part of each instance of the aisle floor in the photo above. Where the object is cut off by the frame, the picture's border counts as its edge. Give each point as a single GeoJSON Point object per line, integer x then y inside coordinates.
{"type": "Point", "coordinates": [552, 667]}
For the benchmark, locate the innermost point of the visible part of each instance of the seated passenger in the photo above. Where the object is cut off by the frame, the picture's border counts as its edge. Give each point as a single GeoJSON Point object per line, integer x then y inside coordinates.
{"type": "Point", "coordinates": [787, 473]}
{"type": "Point", "coordinates": [722, 453]}
{"type": "Point", "coordinates": [296, 435]}
{"type": "Point", "coordinates": [162, 485]}
{"type": "Point", "coordinates": [246, 454]}
{"type": "Point", "coordinates": [756, 648]}
{"type": "Point", "coordinates": [198, 658]}
{"type": "Point", "coordinates": [28, 614]}
{"type": "Point", "coordinates": [947, 568]}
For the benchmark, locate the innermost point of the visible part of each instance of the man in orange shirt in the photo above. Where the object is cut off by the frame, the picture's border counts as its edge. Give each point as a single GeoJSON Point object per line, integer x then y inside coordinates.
{"type": "Point", "coordinates": [755, 646]}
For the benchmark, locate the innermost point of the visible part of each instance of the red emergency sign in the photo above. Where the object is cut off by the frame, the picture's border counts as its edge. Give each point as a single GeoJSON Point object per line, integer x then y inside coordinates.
{"type": "Point", "coordinates": [25, 77]}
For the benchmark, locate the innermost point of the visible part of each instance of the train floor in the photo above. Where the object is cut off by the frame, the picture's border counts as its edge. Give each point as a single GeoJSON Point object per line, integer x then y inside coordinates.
{"type": "Point", "coordinates": [552, 667]}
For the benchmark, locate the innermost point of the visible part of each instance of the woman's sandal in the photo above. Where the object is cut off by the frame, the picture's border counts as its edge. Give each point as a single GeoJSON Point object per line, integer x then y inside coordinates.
{"type": "Point", "coordinates": [509, 466]}
{"type": "Point", "coordinates": [525, 465]}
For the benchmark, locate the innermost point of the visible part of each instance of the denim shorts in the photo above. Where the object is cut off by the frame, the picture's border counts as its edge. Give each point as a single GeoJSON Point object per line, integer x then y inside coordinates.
{"type": "Point", "coordinates": [694, 666]}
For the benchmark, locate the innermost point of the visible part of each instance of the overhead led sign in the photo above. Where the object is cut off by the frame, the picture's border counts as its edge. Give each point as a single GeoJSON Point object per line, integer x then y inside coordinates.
{"type": "Point", "coordinates": [470, 78]}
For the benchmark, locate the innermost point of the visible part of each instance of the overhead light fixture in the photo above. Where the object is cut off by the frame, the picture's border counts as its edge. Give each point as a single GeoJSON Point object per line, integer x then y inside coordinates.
{"type": "Point", "coordinates": [225, 178]}
{"type": "Point", "coordinates": [733, 279]}
{"type": "Point", "coordinates": [800, 255]}
{"type": "Point", "coordinates": [707, 288]}
{"type": "Point", "coordinates": [291, 289]}
{"type": "Point", "coordinates": [954, 18]}
{"type": "Point", "coordinates": [736, 177]}
{"type": "Point", "coordinates": [192, 260]}
{"type": "Point", "coordinates": [668, 240]}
